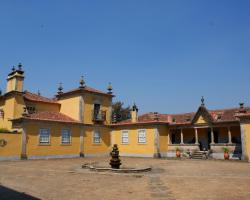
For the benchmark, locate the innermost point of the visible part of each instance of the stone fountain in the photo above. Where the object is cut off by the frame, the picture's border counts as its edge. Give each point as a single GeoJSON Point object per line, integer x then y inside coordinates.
{"type": "Point", "coordinates": [115, 161]}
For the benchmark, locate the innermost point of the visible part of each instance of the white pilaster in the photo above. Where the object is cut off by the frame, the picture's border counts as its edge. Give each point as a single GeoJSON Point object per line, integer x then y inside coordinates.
{"type": "Point", "coordinates": [182, 142]}
{"type": "Point", "coordinates": [196, 136]}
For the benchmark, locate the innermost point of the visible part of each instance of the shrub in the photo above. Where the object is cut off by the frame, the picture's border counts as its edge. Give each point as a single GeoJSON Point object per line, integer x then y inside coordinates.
{"type": "Point", "coordinates": [225, 149]}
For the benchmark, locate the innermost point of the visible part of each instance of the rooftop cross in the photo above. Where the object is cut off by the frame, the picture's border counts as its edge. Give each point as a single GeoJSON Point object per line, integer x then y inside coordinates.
{"type": "Point", "coordinates": [202, 101]}
{"type": "Point", "coordinates": [82, 83]}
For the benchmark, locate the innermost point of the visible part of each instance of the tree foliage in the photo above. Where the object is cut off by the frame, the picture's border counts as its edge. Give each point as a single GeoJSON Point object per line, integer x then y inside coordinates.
{"type": "Point", "coordinates": [119, 112]}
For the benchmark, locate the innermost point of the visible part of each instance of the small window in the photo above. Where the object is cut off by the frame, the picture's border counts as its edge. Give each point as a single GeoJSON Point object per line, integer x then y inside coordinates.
{"type": "Point", "coordinates": [142, 136]}
{"type": "Point", "coordinates": [66, 136]}
{"type": "Point", "coordinates": [97, 137]}
{"type": "Point", "coordinates": [44, 136]}
{"type": "Point", "coordinates": [31, 109]}
{"type": "Point", "coordinates": [1, 113]}
{"type": "Point", "coordinates": [125, 137]}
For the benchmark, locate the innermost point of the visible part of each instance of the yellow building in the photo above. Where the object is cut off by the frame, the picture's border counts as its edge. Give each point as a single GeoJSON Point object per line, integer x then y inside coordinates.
{"type": "Point", "coordinates": [75, 123]}
{"type": "Point", "coordinates": [78, 123]}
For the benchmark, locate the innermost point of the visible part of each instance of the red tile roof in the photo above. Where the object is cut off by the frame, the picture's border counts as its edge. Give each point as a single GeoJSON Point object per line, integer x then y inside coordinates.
{"type": "Point", "coordinates": [51, 116]}
{"type": "Point", "coordinates": [37, 98]}
{"type": "Point", "coordinates": [85, 89]}
{"type": "Point", "coordinates": [222, 115]}
{"type": "Point", "coordinates": [243, 115]}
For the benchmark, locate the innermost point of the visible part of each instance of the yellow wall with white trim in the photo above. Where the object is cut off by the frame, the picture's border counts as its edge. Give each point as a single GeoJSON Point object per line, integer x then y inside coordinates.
{"type": "Point", "coordinates": [101, 148]}
{"type": "Point", "coordinates": [133, 147]}
{"type": "Point", "coordinates": [34, 148]}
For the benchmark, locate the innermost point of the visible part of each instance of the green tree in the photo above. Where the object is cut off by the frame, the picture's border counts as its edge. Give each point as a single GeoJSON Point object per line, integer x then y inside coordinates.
{"type": "Point", "coordinates": [119, 112]}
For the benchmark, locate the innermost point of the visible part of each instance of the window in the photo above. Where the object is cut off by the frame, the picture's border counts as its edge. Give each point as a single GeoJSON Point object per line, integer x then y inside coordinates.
{"type": "Point", "coordinates": [44, 136]}
{"type": "Point", "coordinates": [124, 137]}
{"type": "Point", "coordinates": [1, 113]}
{"type": "Point", "coordinates": [97, 108]}
{"type": "Point", "coordinates": [142, 136]}
{"type": "Point", "coordinates": [30, 109]}
{"type": "Point", "coordinates": [97, 137]}
{"type": "Point", "coordinates": [66, 136]}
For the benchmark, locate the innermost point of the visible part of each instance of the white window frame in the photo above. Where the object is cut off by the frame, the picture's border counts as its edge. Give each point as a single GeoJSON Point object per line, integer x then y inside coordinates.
{"type": "Point", "coordinates": [69, 140]}
{"type": "Point", "coordinates": [125, 137]}
{"type": "Point", "coordinates": [49, 135]}
{"type": "Point", "coordinates": [142, 139]}
{"type": "Point", "coordinates": [98, 141]}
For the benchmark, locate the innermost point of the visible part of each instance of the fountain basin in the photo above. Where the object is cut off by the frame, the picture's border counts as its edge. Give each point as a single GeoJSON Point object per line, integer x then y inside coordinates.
{"type": "Point", "coordinates": [121, 170]}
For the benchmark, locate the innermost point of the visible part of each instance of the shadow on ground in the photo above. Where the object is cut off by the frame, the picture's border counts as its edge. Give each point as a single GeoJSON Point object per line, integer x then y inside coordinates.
{"type": "Point", "coordinates": [7, 194]}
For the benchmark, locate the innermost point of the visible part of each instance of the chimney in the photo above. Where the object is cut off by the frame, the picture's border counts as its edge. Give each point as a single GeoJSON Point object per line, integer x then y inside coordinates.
{"type": "Point", "coordinates": [134, 114]}
{"type": "Point", "coordinates": [242, 108]}
{"type": "Point", "coordinates": [15, 79]}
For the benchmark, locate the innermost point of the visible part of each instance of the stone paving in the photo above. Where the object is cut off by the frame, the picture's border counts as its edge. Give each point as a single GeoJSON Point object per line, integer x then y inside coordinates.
{"type": "Point", "coordinates": [169, 180]}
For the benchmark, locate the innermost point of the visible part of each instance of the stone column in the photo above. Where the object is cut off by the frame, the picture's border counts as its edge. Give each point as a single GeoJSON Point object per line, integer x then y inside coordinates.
{"type": "Point", "coordinates": [169, 137]}
{"type": "Point", "coordinates": [229, 135]}
{"type": "Point", "coordinates": [81, 142]}
{"type": "Point", "coordinates": [24, 143]}
{"type": "Point", "coordinates": [182, 137]}
{"type": "Point", "coordinates": [156, 144]}
{"type": "Point", "coordinates": [212, 135]}
{"type": "Point", "coordinates": [196, 136]}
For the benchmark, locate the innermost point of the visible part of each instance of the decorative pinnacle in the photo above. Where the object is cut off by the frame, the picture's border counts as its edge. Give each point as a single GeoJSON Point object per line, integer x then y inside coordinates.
{"type": "Point", "coordinates": [110, 88]}
{"type": "Point", "coordinates": [13, 68]}
{"type": "Point", "coordinates": [135, 108]}
{"type": "Point", "coordinates": [241, 105]}
{"type": "Point", "coordinates": [20, 66]}
{"type": "Point", "coordinates": [38, 92]}
{"type": "Point", "coordinates": [0, 92]}
{"type": "Point", "coordinates": [202, 101]}
{"type": "Point", "coordinates": [82, 83]}
{"type": "Point", "coordinates": [60, 89]}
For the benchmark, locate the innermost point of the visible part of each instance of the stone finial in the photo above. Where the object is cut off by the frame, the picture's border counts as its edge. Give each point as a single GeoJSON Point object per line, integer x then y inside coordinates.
{"type": "Point", "coordinates": [202, 101]}
{"type": "Point", "coordinates": [241, 105]}
{"type": "Point", "coordinates": [60, 89]}
{"type": "Point", "coordinates": [20, 66]}
{"type": "Point", "coordinates": [0, 92]}
{"type": "Point", "coordinates": [110, 88]}
{"type": "Point", "coordinates": [38, 92]}
{"type": "Point", "coordinates": [135, 108]}
{"type": "Point", "coordinates": [13, 68]}
{"type": "Point", "coordinates": [82, 83]}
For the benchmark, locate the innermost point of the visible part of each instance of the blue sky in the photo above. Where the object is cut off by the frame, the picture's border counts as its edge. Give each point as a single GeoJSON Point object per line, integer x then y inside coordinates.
{"type": "Point", "coordinates": [163, 55]}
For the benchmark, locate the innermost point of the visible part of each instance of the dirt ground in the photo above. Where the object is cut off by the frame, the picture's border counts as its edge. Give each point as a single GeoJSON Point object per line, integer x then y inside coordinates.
{"type": "Point", "coordinates": [170, 179]}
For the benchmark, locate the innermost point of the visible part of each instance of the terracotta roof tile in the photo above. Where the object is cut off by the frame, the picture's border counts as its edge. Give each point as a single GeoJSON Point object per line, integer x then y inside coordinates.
{"type": "Point", "coordinates": [51, 116]}
{"type": "Point", "coordinates": [37, 98]}
{"type": "Point", "coordinates": [222, 115]}
{"type": "Point", "coordinates": [243, 115]}
{"type": "Point", "coordinates": [85, 89]}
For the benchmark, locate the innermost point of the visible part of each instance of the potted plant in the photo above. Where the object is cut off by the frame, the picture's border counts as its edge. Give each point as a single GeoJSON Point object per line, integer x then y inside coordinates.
{"type": "Point", "coordinates": [178, 152]}
{"type": "Point", "coordinates": [226, 153]}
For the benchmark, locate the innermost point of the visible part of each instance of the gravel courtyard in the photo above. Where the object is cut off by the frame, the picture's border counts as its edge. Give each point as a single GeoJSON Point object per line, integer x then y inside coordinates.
{"type": "Point", "coordinates": [170, 179]}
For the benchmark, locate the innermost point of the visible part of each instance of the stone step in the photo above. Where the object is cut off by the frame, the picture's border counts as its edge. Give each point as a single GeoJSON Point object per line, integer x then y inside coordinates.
{"type": "Point", "coordinates": [198, 155]}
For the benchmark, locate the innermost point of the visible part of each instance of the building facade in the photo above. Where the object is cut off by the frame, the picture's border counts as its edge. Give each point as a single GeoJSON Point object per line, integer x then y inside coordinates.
{"type": "Point", "coordinates": [78, 123]}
